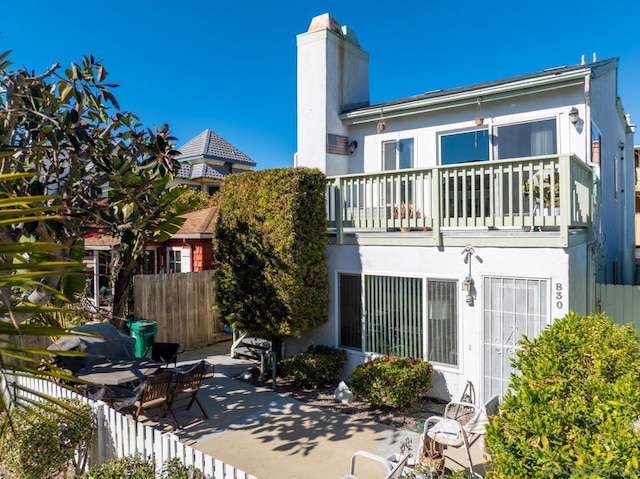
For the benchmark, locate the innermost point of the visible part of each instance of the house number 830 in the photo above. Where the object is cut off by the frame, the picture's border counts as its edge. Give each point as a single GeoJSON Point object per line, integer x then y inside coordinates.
{"type": "Point", "coordinates": [559, 297]}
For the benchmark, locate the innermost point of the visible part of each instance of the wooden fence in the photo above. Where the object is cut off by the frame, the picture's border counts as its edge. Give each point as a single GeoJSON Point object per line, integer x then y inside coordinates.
{"type": "Point", "coordinates": [117, 435]}
{"type": "Point", "coordinates": [619, 302]}
{"type": "Point", "coordinates": [183, 304]}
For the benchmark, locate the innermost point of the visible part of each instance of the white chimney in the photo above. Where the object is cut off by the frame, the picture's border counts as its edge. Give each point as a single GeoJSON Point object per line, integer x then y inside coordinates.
{"type": "Point", "coordinates": [333, 75]}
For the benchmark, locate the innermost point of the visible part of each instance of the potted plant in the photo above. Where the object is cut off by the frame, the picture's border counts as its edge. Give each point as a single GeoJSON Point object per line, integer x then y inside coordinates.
{"type": "Point", "coordinates": [405, 211]}
{"type": "Point", "coordinates": [543, 182]}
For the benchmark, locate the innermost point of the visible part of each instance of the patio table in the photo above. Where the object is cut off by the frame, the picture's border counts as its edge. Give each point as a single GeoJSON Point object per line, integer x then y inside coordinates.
{"type": "Point", "coordinates": [118, 372]}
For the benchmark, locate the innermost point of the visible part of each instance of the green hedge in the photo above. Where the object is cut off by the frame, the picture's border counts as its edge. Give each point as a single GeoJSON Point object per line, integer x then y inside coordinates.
{"type": "Point", "coordinates": [269, 246]}
{"type": "Point", "coordinates": [392, 381]}
{"type": "Point", "coordinates": [571, 410]}
{"type": "Point", "coordinates": [316, 367]}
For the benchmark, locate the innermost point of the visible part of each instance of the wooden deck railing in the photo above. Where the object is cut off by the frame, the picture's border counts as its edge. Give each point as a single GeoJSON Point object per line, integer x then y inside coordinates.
{"type": "Point", "coordinates": [546, 191]}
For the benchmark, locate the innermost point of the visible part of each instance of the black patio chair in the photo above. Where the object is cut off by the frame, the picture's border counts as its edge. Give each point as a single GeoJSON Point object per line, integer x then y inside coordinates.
{"type": "Point", "coordinates": [165, 352]}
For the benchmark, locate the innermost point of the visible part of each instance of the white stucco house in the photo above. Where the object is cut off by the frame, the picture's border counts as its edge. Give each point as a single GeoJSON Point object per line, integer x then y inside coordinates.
{"type": "Point", "coordinates": [462, 219]}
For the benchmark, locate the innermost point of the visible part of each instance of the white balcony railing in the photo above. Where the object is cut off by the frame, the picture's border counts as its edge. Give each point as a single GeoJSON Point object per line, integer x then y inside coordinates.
{"type": "Point", "coordinates": [546, 191]}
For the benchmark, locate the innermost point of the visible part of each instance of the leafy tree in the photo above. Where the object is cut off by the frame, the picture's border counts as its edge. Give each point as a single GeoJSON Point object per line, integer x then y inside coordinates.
{"type": "Point", "coordinates": [189, 200]}
{"type": "Point", "coordinates": [573, 409]}
{"type": "Point", "coordinates": [269, 244]}
{"type": "Point", "coordinates": [23, 266]}
{"type": "Point", "coordinates": [107, 173]}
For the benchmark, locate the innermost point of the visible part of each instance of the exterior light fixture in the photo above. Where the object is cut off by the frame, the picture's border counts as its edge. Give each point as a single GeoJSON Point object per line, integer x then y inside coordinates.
{"type": "Point", "coordinates": [573, 115]}
{"type": "Point", "coordinates": [352, 146]}
{"type": "Point", "coordinates": [468, 285]}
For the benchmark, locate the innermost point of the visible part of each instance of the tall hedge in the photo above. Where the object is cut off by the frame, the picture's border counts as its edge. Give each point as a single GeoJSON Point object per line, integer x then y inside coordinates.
{"type": "Point", "coordinates": [572, 410]}
{"type": "Point", "coordinates": [269, 246]}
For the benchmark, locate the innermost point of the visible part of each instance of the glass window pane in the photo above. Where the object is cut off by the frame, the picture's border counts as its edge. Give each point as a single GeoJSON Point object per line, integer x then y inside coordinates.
{"type": "Point", "coordinates": [389, 153]}
{"type": "Point", "coordinates": [442, 306]}
{"type": "Point", "coordinates": [405, 151]}
{"type": "Point", "coordinates": [526, 139]}
{"type": "Point", "coordinates": [350, 311]}
{"type": "Point", "coordinates": [464, 147]}
{"type": "Point", "coordinates": [394, 323]}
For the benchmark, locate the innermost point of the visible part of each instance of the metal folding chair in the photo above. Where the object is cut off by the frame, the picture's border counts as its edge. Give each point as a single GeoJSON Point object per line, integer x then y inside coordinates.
{"type": "Point", "coordinates": [461, 424]}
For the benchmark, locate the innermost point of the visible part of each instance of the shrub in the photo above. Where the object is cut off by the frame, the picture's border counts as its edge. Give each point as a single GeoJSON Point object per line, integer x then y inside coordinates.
{"type": "Point", "coordinates": [138, 467]}
{"type": "Point", "coordinates": [571, 410]}
{"type": "Point", "coordinates": [131, 467]}
{"type": "Point", "coordinates": [391, 381]}
{"type": "Point", "coordinates": [42, 442]}
{"type": "Point", "coordinates": [319, 366]}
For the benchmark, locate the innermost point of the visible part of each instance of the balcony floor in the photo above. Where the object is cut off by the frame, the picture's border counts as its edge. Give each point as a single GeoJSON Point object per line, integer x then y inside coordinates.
{"type": "Point", "coordinates": [488, 237]}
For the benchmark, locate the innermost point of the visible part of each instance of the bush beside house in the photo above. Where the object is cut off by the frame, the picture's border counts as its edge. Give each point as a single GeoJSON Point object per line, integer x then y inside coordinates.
{"type": "Point", "coordinates": [316, 367]}
{"type": "Point", "coordinates": [269, 243]}
{"type": "Point", "coordinates": [392, 381]}
{"type": "Point", "coordinates": [573, 410]}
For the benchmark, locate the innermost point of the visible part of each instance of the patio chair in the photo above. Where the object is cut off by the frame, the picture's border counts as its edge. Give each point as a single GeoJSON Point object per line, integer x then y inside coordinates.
{"type": "Point", "coordinates": [165, 352]}
{"type": "Point", "coordinates": [155, 395]}
{"type": "Point", "coordinates": [186, 384]}
{"type": "Point", "coordinates": [460, 426]}
{"type": "Point", "coordinates": [394, 468]}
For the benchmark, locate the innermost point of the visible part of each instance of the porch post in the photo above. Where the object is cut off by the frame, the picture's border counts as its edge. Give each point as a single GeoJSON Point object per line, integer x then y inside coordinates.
{"type": "Point", "coordinates": [567, 187]}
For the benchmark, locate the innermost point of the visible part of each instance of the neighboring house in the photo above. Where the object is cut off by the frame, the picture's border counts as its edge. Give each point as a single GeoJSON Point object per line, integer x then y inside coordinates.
{"type": "Point", "coordinates": [190, 249]}
{"type": "Point", "coordinates": [516, 196]}
{"type": "Point", "coordinates": [207, 159]}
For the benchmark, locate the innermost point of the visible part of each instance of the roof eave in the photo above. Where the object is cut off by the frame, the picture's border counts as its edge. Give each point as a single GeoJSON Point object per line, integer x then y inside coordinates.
{"type": "Point", "coordinates": [466, 98]}
{"type": "Point", "coordinates": [218, 158]}
{"type": "Point", "coordinates": [193, 236]}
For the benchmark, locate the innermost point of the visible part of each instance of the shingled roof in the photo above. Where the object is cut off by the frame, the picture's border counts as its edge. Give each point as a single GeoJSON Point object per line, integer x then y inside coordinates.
{"type": "Point", "coordinates": [549, 72]}
{"type": "Point", "coordinates": [200, 171]}
{"type": "Point", "coordinates": [199, 222]}
{"type": "Point", "coordinates": [210, 145]}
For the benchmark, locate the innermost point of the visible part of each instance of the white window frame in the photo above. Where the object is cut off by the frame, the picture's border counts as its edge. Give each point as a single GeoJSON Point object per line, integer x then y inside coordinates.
{"type": "Point", "coordinates": [446, 367]}
{"type": "Point", "coordinates": [172, 253]}
{"type": "Point", "coordinates": [397, 142]}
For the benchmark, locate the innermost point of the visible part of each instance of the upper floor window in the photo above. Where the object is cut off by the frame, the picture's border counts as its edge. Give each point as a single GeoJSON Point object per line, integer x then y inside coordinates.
{"type": "Point", "coordinates": [535, 138]}
{"type": "Point", "coordinates": [464, 147]}
{"type": "Point", "coordinates": [397, 154]}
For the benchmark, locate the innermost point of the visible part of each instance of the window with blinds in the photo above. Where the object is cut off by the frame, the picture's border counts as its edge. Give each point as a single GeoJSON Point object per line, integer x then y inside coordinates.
{"type": "Point", "coordinates": [442, 317]}
{"type": "Point", "coordinates": [394, 323]}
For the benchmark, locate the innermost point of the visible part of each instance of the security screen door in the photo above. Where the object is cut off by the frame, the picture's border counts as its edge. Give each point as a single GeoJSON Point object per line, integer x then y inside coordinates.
{"type": "Point", "coordinates": [513, 307]}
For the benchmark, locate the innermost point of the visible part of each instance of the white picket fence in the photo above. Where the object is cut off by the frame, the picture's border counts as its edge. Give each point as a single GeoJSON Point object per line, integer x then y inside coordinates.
{"type": "Point", "coordinates": [118, 436]}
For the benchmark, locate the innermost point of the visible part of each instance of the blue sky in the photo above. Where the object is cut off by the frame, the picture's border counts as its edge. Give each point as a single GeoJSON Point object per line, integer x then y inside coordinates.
{"type": "Point", "coordinates": [230, 65]}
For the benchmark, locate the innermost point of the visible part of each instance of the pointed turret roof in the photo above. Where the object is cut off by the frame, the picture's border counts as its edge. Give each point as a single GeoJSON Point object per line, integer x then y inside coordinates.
{"type": "Point", "coordinates": [208, 144]}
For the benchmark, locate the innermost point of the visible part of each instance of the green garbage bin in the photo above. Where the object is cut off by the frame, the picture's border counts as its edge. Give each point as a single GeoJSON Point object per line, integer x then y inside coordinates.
{"type": "Point", "coordinates": [144, 332]}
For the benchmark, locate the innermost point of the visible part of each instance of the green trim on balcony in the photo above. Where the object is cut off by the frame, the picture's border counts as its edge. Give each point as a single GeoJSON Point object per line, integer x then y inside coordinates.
{"type": "Point", "coordinates": [493, 201]}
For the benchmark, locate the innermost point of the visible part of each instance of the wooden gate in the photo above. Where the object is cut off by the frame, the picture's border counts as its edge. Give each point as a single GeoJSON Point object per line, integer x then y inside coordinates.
{"type": "Point", "coordinates": [183, 304]}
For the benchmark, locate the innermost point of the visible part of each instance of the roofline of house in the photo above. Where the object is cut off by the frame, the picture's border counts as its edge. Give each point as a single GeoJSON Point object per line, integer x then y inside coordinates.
{"type": "Point", "coordinates": [467, 97]}
{"type": "Point", "coordinates": [193, 236]}
{"type": "Point", "coordinates": [218, 158]}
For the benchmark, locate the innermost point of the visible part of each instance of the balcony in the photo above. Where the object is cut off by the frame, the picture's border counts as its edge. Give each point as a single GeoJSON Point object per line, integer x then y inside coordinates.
{"type": "Point", "coordinates": [544, 200]}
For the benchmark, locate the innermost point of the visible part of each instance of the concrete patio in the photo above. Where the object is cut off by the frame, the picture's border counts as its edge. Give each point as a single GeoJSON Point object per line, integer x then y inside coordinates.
{"type": "Point", "coordinates": [273, 436]}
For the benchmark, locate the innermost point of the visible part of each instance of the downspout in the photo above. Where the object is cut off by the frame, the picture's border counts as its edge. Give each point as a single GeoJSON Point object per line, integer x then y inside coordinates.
{"type": "Point", "coordinates": [594, 241]}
